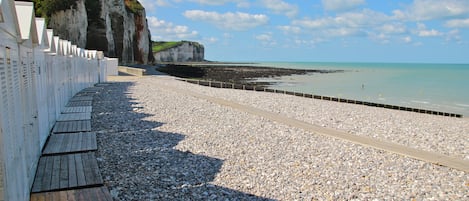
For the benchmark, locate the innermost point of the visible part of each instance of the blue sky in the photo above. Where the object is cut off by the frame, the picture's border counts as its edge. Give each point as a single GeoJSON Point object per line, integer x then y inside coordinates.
{"type": "Point", "coordinates": [429, 31]}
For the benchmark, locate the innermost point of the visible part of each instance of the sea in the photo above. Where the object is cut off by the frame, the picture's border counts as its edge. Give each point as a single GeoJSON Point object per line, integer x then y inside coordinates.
{"type": "Point", "coordinates": [438, 87]}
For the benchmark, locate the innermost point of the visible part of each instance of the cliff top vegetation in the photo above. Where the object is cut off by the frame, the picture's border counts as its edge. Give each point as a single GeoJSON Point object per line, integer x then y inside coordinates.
{"type": "Point", "coordinates": [45, 8]}
{"type": "Point", "coordinates": [134, 6]}
{"type": "Point", "coordinates": [158, 46]}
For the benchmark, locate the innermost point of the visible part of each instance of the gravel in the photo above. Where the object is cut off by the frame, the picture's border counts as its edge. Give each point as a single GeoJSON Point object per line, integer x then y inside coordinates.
{"type": "Point", "coordinates": [156, 144]}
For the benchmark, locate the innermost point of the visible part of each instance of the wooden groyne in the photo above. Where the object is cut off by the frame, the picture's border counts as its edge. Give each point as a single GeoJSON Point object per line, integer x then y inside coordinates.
{"type": "Point", "coordinates": [226, 85]}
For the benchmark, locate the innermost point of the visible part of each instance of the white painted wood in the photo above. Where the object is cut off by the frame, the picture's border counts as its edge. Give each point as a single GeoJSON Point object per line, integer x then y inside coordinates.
{"type": "Point", "coordinates": [39, 73]}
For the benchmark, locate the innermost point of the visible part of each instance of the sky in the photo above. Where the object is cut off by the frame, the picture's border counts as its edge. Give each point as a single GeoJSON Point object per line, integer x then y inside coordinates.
{"type": "Point", "coordinates": [398, 31]}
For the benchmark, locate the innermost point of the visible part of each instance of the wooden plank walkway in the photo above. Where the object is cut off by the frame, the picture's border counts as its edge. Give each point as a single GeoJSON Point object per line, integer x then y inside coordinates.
{"type": "Point", "coordinates": [72, 126]}
{"type": "Point", "coordinates": [70, 143]}
{"type": "Point", "coordinates": [74, 116]}
{"type": "Point", "coordinates": [81, 109]}
{"type": "Point", "coordinates": [87, 194]}
{"type": "Point", "coordinates": [81, 98]}
{"type": "Point", "coordinates": [64, 172]}
{"type": "Point", "coordinates": [68, 168]}
{"type": "Point", "coordinates": [78, 103]}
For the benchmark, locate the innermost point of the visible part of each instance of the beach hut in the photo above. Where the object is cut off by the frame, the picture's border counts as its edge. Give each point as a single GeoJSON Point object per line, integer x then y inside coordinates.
{"type": "Point", "coordinates": [20, 147]}
{"type": "Point", "coordinates": [29, 40]}
{"type": "Point", "coordinates": [41, 80]}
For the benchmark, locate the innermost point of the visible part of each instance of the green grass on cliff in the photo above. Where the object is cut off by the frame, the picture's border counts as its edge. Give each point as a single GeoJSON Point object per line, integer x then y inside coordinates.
{"type": "Point", "coordinates": [164, 45]}
{"type": "Point", "coordinates": [45, 8]}
{"type": "Point", "coordinates": [134, 6]}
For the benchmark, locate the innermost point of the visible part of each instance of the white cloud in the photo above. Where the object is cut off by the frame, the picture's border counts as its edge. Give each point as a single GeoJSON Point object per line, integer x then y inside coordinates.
{"type": "Point", "coordinates": [458, 23]}
{"type": "Point", "coordinates": [421, 10]}
{"type": "Point", "coordinates": [364, 19]}
{"type": "Point", "coordinates": [341, 5]}
{"type": "Point", "coordinates": [422, 31]}
{"type": "Point", "coordinates": [266, 39]}
{"type": "Point", "coordinates": [345, 24]}
{"type": "Point", "coordinates": [407, 39]}
{"type": "Point", "coordinates": [240, 3]}
{"type": "Point", "coordinates": [150, 5]}
{"type": "Point", "coordinates": [162, 30]}
{"type": "Point", "coordinates": [228, 21]}
{"type": "Point", "coordinates": [210, 40]}
{"type": "Point", "coordinates": [382, 38]}
{"type": "Point", "coordinates": [454, 35]}
{"type": "Point", "coordinates": [281, 7]}
{"type": "Point", "coordinates": [393, 28]}
{"type": "Point", "coordinates": [290, 29]}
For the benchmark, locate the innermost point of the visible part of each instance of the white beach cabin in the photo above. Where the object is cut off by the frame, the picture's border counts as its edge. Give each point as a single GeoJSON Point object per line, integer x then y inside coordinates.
{"type": "Point", "coordinates": [39, 73]}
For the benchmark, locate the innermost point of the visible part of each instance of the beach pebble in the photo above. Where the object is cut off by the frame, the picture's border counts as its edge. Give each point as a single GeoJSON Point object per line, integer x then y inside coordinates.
{"type": "Point", "coordinates": [158, 144]}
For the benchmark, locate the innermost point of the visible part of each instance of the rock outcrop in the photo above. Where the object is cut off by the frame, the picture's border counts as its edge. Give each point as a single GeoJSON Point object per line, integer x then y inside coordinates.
{"type": "Point", "coordinates": [184, 52]}
{"type": "Point", "coordinates": [116, 27]}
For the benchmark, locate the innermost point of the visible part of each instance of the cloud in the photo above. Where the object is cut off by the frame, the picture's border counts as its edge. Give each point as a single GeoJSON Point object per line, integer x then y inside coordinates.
{"type": "Point", "coordinates": [407, 39]}
{"type": "Point", "coordinates": [290, 29]}
{"type": "Point", "coordinates": [393, 28]}
{"type": "Point", "coordinates": [151, 5]}
{"type": "Point", "coordinates": [228, 21]}
{"type": "Point", "coordinates": [422, 31]}
{"type": "Point", "coordinates": [281, 7]}
{"type": "Point", "coordinates": [240, 3]}
{"type": "Point", "coordinates": [341, 5]}
{"type": "Point", "coordinates": [458, 23]}
{"type": "Point", "coordinates": [421, 10]}
{"type": "Point", "coordinates": [344, 24]}
{"type": "Point", "coordinates": [454, 35]}
{"type": "Point", "coordinates": [266, 39]}
{"type": "Point", "coordinates": [162, 30]}
{"type": "Point", "coordinates": [210, 40]}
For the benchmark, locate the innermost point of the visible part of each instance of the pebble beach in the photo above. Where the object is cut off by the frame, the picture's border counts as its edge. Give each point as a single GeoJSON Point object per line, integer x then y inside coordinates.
{"type": "Point", "coordinates": [156, 142]}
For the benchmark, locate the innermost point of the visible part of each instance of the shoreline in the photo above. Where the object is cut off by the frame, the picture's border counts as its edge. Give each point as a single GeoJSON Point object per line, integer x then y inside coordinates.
{"type": "Point", "coordinates": [249, 87]}
{"type": "Point", "coordinates": [233, 73]}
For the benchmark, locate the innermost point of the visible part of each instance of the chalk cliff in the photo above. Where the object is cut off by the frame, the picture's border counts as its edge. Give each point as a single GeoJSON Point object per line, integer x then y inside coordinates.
{"type": "Point", "coordinates": [116, 27]}
{"type": "Point", "coordinates": [184, 52]}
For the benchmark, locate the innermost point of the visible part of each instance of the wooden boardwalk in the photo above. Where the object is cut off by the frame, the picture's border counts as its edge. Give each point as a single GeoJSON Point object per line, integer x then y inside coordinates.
{"type": "Point", "coordinates": [81, 98]}
{"type": "Point", "coordinates": [74, 116]}
{"type": "Point", "coordinates": [70, 143]}
{"type": "Point", "coordinates": [78, 103]}
{"type": "Point", "coordinates": [79, 109]}
{"type": "Point", "coordinates": [72, 126]}
{"type": "Point", "coordinates": [86, 194]}
{"type": "Point", "coordinates": [69, 171]}
{"type": "Point", "coordinates": [68, 168]}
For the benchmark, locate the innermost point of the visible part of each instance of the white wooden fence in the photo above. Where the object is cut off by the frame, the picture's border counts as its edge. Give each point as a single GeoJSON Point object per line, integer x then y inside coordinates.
{"type": "Point", "coordinates": [39, 73]}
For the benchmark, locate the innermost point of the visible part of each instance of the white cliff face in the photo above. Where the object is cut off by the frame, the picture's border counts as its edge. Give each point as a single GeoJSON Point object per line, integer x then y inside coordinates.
{"type": "Point", "coordinates": [107, 26]}
{"type": "Point", "coordinates": [187, 51]}
{"type": "Point", "coordinates": [71, 24]}
{"type": "Point", "coordinates": [126, 32]}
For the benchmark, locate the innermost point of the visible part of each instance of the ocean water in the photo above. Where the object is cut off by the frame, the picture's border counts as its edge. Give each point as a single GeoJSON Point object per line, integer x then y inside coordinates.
{"type": "Point", "coordinates": [439, 87]}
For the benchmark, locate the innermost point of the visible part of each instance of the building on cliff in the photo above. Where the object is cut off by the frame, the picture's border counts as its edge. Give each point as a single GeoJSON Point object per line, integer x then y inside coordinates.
{"type": "Point", "coordinates": [184, 51]}
{"type": "Point", "coordinates": [116, 27]}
